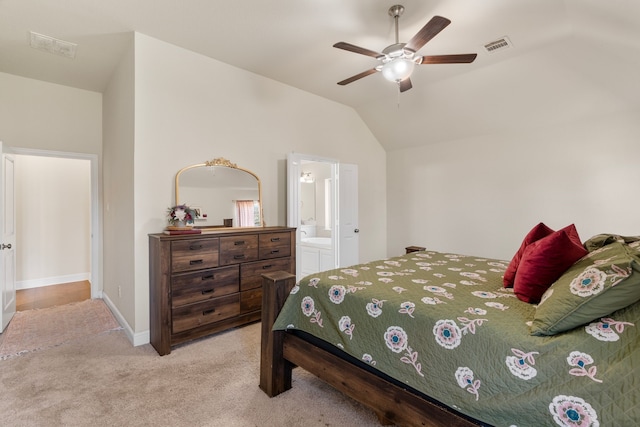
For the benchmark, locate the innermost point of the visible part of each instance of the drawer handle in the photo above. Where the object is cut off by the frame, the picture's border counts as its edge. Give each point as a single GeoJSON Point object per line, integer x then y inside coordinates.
{"type": "Point", "coordinates": [275, 239]}
{"type": "Point", "coordinates": [208, 277]}
{"type": "Point", "coordinates": [208, 291]}
{"type": "Point", "coordinates": [206, 312]}
{"type": "Point", "coordinates": [195, 262]}
{"type": "Point", "coordinates": [195, 247]}
{"type": "Point", "coordinates": [238, 257]}
{"type": "Point", "coordinates": [275, 251]}
{"type": "Point", "coordinates": [264, 267]}
{"type": "Point", "coordinates": [239, 242]}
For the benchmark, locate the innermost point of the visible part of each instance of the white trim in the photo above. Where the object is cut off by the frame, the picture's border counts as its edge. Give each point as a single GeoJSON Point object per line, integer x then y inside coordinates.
{"type": "Point", "coordinates": [96, 217]}
{"type": "Point", "coordinates": [136, 339]}
{"type": "Point", "coordinates": [141, 338]}
{"type": "Point", "coordinates": [55, 280]}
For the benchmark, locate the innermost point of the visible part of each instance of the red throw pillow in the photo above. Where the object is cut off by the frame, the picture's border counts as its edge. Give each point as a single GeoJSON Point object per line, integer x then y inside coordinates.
{"type": "Point", "coordinates": [536, 233]}
{"type": "Point", "coordinates": [544, 261]}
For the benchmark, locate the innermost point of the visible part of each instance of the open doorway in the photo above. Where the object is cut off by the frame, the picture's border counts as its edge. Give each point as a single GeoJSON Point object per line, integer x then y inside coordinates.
{"type": "Point", "coordinates": [56, 220]}
{"type": "Point", "coordinates": [312, 209]}
{"type": "Point", "coordinates": [322, 203]}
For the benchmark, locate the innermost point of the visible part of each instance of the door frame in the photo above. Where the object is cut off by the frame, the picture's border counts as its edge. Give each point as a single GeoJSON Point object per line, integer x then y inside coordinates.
{"type": "Point", "coordinates": [96, 217]}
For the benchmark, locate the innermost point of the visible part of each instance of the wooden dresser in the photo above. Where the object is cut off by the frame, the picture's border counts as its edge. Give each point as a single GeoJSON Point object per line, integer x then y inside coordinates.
{"type": "Point", "coordinates": [200, 284]}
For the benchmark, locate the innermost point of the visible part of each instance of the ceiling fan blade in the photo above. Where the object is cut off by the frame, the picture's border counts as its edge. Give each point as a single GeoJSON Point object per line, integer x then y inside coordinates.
{"type": "Point", "coordinates": [357, 77]}
{"type": "Point", "coordinates": [357, 49]}
{"type": "Point", "coordinates": [405, 84]}
{"type": "Point", "coordinates": [429, 31]}
{"type": "Point", "coordinates": [464, 58]}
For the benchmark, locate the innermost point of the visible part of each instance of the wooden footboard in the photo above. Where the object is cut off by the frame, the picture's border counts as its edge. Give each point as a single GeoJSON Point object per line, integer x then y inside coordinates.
{"type": "Point", "coordinates": [281, 351]}
{"type": "Point", "coordinates": [275, 371]}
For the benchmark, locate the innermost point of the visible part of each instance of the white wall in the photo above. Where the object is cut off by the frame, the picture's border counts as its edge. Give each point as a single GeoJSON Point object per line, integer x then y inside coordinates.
{"type": "Point", "coordinates": [118, 195]}
{"type": "Point", "coordinates": [53, 220]}
{"type": "Point", "coordinates": [188, 109]}
{"type": "Point", "coordinates": [481, 195]}
{"type": "Point", "coordinates": [46, 116]}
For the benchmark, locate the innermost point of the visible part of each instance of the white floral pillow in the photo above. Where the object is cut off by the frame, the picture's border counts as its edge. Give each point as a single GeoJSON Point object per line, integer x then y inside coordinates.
{"type": "Point", "coordinates": [600, 283]}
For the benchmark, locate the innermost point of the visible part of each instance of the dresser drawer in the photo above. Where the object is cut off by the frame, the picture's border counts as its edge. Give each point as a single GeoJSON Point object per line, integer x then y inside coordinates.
{"type": "Point", "coordinates": [251, 300]}
{"type": "Point", "coordinates": [275, 245]}
{"type": "Point", "coordinates": [237, 249]}
{"type": "Point", "coordinates": [251, 273]}
{"type": "Point", "coordinates": [204, 285]}
{"type": "Point", "coordinates": [202, 313]}
{"type": "Point", "coordinates": [196, 254]}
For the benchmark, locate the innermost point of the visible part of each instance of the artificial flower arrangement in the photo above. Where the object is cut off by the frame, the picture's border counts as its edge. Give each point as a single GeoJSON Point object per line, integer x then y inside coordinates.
{"type": "Point", "coordinates": [181, 214]}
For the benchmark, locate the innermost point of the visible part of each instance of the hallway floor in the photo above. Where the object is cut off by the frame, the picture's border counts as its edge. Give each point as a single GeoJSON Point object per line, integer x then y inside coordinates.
{"type": "Point", "coordinates": [49, 296]}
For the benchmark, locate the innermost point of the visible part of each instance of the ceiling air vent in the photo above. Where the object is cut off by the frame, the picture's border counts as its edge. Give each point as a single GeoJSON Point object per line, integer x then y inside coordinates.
{"type": "Point", "coordinates": [501, 44]}
{"type": "Point", "coordinates": [52, 45]}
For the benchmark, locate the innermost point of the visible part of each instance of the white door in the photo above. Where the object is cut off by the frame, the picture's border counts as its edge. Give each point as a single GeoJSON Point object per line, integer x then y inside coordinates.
{"type": "Point", "coordinates": [348, 242]}
{"type": "Point", "coordinates": [7, 238]}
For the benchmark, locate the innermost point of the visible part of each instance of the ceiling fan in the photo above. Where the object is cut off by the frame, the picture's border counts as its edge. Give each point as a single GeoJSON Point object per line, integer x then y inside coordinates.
{"type": "Point", "coordinates": [398, 60]}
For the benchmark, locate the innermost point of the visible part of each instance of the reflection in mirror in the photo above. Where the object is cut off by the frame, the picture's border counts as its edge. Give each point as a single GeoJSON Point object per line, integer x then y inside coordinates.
{"type": "Point", "coordinates": [222, 194]}
{"type": "Point", "coordinates": [307, 201]}
{"type": "Point", "coordinates": [315, 197]}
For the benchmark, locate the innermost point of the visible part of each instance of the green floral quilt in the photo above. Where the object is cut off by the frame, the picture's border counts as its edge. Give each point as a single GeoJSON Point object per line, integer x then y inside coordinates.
{"type": "Point", "coordinates": [443, 324]}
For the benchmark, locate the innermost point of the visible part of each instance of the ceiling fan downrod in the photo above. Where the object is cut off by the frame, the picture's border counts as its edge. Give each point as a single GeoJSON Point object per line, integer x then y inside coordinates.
{"type": "Point", "coordinates": [395, 12]}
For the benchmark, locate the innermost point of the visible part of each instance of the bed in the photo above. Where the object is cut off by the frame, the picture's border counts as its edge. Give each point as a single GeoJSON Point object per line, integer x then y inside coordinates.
{"type": "Point", "coordinates": [436, 339]}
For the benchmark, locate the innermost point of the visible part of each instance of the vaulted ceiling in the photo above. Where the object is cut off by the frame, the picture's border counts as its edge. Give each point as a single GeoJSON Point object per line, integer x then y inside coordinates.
{"type": "Point", "coordinates": [568, 59]}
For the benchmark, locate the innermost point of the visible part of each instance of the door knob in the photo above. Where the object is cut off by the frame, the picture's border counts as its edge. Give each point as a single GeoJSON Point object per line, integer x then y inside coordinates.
{"type": "Point", "coordinates": [357, 230]}
{"type": "Point", "coordinates": [4, 246]}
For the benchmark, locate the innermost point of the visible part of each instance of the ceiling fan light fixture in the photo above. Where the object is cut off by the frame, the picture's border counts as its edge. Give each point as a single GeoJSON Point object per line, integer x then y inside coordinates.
{"type": "Point", "coordinates": [398, 69]}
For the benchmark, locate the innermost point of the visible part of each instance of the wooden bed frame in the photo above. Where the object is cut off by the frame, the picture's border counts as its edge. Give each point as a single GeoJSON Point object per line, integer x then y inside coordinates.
{"type": "Point", "coordinates": [281, 351]}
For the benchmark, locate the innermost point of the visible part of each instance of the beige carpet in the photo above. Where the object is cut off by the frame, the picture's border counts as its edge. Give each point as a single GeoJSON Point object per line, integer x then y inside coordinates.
{"type": "Point", "coordinates": [38, 329]}
{"type": "Point", "coordinates": [101, 380]}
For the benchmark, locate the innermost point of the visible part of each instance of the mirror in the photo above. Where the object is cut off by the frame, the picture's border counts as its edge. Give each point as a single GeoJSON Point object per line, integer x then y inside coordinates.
{"type": "Point", "coordinates": [221, 193]}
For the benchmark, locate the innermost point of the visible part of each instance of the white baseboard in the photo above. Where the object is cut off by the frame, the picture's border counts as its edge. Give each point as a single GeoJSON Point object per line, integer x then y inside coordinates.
{"type": "Point", "coordinates": [54, 280]}
{"type": "Point", "coordinates": [136, 339]}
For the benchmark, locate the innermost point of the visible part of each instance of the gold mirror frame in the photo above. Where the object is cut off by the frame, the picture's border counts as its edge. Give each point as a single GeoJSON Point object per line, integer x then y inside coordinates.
{"type": "Point", "coordinates": [220, 162]}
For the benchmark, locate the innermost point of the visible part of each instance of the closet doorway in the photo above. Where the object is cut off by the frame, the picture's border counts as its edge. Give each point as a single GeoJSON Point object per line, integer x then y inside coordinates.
{"type": "Point", "coordinates": [56, 219]}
